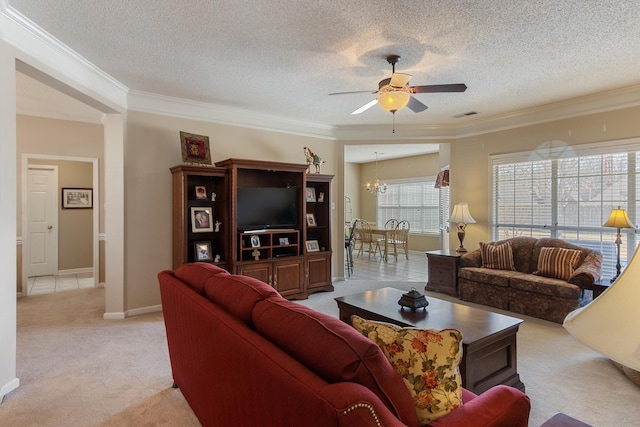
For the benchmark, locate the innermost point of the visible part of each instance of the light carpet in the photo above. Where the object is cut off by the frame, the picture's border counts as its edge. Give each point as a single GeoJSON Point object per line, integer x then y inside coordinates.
{"type": "Point", "coordinates": [77, 369]}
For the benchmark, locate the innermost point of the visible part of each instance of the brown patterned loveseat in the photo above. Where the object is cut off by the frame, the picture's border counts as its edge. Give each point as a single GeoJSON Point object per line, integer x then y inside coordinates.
{"type": "Point", "coordinates": [520, 290]}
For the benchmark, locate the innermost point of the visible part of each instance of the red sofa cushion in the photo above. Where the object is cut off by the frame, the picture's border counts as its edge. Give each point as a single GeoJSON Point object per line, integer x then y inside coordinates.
{"type": "Point", "coordinates": [334, 351]}
{"type": "Point", "coordinates": [196, 274]}
{"type": "Point", "coordinates": [238, 295]}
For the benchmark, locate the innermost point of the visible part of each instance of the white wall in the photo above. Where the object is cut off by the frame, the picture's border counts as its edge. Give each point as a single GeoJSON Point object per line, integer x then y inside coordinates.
{"type": "Point", "coordinates": [8, 379]}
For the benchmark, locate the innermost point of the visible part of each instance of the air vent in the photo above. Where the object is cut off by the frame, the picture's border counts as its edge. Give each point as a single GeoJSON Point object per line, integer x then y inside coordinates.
{"type": "Point", "coordinates": [470, 113]}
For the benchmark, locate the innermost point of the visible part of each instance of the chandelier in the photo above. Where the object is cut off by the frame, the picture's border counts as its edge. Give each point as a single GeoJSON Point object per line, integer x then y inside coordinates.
{"type": "Point", "coordinates": [376, 188]}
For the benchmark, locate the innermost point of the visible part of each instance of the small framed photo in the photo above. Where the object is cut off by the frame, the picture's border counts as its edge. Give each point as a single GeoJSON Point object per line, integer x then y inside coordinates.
{"type": "Point", "coordinates": [195, 148]}
{"type": "Point", "coordinates": [312, 246]}
{"type": "Point", "coordinates": [77, 198]}
{"type": "Point", "coordinates": [311, 220]}
{"type": "Point", "coordinates": [284, 241]}
{"type": "Point", "coordinates": [203, 251]}
{"type": "Point", "coordinates": [321, 197]}
{"type": "Point", "coordinates": [311, 194]}
{"type": "Point", "coordinates": [255, 241]}
{"type": "Point", "coordinates": [201, 219]}
{"type": "Point", "coordinates": [201, 192]}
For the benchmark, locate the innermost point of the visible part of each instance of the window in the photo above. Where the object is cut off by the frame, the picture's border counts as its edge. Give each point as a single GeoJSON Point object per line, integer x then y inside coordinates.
{"type": "Point", "coordinates": [569, 196]}
{"type": "Point", "coordinates": [414, 200]}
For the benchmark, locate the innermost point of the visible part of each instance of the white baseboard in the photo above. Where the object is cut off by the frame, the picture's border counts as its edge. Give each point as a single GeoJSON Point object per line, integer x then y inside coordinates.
{"type": "Point", "coordinates": [8, 388]}
{"type": "Point", "coordinates": [144, 310]}
{"type": "Point", "coordinates": [132, 312]}
{"type": "Point", "coordinates": [76, 271]}
{"type": "Point", "coordinates": [114, 316]}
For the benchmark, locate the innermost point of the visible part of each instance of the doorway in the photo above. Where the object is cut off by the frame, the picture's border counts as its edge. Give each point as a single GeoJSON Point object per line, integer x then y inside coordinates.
{"type": "Point", "coordinates": [54, 277]}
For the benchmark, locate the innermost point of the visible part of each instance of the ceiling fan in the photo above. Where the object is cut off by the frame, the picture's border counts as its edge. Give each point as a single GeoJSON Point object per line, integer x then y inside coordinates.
{"type": "Point", "coordinates": [394, 93]}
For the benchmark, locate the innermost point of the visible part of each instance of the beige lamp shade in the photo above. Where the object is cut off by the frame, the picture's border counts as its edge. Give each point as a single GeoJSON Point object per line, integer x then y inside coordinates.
{"type": "Point", "coordinates": [461, 215]}
{"type": "Point", "coordinates": [609, 324]}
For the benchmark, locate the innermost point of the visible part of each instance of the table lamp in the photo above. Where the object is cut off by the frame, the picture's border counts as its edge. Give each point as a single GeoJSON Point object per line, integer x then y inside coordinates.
{"type": "Point", "coordinates": [618, 219]}
{"type": "Point", "coordinates": [461, 216]}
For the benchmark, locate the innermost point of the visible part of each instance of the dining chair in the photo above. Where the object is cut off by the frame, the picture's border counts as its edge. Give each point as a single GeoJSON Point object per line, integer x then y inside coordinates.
{"type": "Point", "coordinates": [399, 237]}
{"type": "Point", "coordinates": [365, 237]}
{"type": "Point", "coordinates": [349, 242]}
{"type": "Point", "coordinates": [389, 226]}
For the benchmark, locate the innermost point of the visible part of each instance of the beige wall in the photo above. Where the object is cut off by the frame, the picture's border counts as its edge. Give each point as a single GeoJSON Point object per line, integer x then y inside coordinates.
{"type": "Point", "coordinates": [75, 226]}
{"type": "Point", "coordinates": [352, 189]}
{"type": "Point", "coordinates": [470, 166]}
{"type": "Point", "coordinates": [403, 168]}
{"type": "Point", "coordinates": [62, 138]}
{"type": "Point", "coordinates": [152, 147]}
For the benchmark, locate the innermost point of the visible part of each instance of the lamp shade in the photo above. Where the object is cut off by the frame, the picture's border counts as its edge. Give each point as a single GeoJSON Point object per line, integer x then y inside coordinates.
{"type": "Point", "coordinates": [618, 219]}
{"type": "Point", "coordinates": [393, 100]}
{"type": "Point", "coordinates": [461, 215]}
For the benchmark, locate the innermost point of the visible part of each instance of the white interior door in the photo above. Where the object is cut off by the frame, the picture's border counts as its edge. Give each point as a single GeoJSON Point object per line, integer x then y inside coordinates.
{"type": "Point", "coordinates": [42, 220]}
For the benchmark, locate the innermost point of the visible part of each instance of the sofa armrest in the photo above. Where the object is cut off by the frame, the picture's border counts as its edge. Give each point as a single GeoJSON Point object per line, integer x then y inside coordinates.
{"type": "Point", "coordinates": [500, 406]}
{"type": "Point", "coordinates": [588, 272]}
{"type": "Point", "coordinates": [356, 405]}
{"type": "Point", "coordinates": [471, 259]}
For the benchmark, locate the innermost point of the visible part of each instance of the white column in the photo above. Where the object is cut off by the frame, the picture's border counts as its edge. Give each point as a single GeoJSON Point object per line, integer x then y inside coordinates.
{"type": "Point", "coordinates": [8, 228]}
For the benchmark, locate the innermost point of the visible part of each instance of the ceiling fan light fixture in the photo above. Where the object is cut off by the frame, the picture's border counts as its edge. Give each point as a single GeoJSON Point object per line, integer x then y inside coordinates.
{"type": "Point", "coordinates": [393, 100]}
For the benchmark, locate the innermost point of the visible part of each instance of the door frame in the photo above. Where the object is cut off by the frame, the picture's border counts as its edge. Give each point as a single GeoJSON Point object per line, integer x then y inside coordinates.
{"type": "Point", "coordinates": [96, 210]}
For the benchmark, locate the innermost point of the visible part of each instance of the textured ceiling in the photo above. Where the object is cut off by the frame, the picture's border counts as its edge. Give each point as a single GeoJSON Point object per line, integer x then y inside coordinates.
{"type": "Point", "coordinates": [283, 58]}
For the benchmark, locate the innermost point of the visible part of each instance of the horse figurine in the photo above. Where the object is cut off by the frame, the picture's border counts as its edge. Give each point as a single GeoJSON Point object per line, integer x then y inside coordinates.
{"type": "Point", "coordinates": [312, 159]}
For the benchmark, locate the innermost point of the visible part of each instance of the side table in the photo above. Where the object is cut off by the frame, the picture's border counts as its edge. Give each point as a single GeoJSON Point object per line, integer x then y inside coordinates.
{"type": "Point", "coordinates": [442, 271]}
{"type": "Point", "coordinates": [599, 287]}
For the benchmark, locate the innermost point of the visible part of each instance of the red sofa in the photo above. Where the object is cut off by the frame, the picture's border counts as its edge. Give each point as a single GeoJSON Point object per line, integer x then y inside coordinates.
{"type": "Point", "coordinates": [244, 356]}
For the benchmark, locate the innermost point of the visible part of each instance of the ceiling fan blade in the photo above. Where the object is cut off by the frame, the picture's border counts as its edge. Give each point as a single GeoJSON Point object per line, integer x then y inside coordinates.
{"type": "Point", "coordinates": [459, 87]}
{"type": "Point", "coordinates": [356, 91]}
{"type": "Point", "coordinates": [366, 106]}
{"type": "Point", "coordinates": [416, 106]}
{"type": "Point", "coordinates": [399, 79]}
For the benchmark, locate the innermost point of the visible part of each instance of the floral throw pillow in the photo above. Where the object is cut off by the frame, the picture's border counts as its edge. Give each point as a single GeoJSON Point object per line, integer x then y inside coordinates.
{"type": "Point", "coordinates": [428, 361]}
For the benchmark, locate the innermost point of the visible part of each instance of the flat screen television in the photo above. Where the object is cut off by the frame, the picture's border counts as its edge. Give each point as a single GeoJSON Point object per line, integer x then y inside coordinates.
{"type": "Point", "coordinates": [267, 207]}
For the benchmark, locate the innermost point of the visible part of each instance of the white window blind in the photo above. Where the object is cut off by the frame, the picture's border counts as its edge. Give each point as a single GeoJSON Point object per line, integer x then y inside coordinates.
{"type": "Point", "coordinates": [569, 198]}
{"type": "Point", "coordinates": [413, 200]}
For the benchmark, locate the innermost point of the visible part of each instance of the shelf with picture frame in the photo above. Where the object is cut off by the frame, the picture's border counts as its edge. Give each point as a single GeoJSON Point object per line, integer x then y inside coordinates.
{"type": "Point", "coordinates": [279, 255]}
{"type": "Point", "coordinates": [200, 216]}
{"type": "Point", "coordinates": [268, 244]}
{"type": "Point", "coordinates": [318, 232]}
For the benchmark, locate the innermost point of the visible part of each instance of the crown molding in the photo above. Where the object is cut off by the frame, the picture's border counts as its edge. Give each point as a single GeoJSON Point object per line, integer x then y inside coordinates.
{"type": "Point", "coordinates": [39, 50]}
{"type": "Point", "coordinates": [402, 133]}
{"type": "Point", "coordinates": [213, 113]}
{"type": "Point", "coordinates": [594, 103]}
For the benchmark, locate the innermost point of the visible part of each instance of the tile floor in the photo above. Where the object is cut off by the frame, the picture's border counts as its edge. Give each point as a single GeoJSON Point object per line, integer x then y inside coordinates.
{"type": "Point", "coordinates": [374, 268]}
{"type": "Point", "coordinates": [50, 284]}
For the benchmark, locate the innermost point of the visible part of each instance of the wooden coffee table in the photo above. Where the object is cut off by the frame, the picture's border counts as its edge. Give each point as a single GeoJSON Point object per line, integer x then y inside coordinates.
{"type": "Point", "coordinates": [488, 339]}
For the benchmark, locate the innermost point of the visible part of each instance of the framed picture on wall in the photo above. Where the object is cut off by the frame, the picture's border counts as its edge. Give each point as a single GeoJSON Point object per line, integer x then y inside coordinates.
{"type": "Point", "coordinates": [195, 148]}
{"type": "Point", "coordinates": [77, 198]}
{"type": "Point", "coordinates": [203, 251]}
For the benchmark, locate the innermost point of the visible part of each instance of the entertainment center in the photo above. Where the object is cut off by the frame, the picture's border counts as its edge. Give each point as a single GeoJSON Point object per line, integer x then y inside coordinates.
{"type": "Point", "coordinates": [267, 220]}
